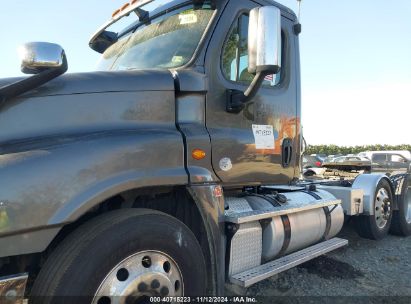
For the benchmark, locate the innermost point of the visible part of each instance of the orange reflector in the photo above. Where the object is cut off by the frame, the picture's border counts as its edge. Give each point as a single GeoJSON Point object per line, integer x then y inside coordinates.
{"type": "Point", "coordinates": [133, 2]}
{"type": "Point", "coordinates": [116, 12]}
{"type": "Point", "coordinates": [218, 191]}
{"type": "Point", "coordinates": [124, 6]}
{"type": "Point", "coordinates": [198, 154]}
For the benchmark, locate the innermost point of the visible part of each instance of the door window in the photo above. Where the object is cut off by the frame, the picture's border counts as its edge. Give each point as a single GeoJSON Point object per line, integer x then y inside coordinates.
{"type": "Point", "coordinates": [379, 158]}
{"type": "Point", "coordinates": [398, 159]}
{"type": "Point", "coordinates": [235, 55]}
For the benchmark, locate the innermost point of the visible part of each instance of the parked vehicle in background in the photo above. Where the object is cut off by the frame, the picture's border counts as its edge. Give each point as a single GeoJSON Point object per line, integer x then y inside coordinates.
{"type": "Point", "coordinates": [331, 157]}
{"type": "Point", "coordinates": [310, 161]}
{"type": "Point", "coordinates": [369, 154]}
{"type": "Point", "coordinates": [312, 165]}
{"type": "Point", "coordinates": [391, 162]}
{"type": "Point", "coordinates": [320, 156]}
{"type": "Point", "coordinates": [348, 163]}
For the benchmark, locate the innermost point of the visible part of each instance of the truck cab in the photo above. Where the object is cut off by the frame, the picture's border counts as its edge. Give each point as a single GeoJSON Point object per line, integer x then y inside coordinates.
{"type": "Point", "coordinates": [208, 69]}
{"type": "Point", "coordinates": [173, 169]}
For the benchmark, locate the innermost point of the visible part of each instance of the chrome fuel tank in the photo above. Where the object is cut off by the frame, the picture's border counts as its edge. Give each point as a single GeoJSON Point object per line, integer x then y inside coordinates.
{"type": "Point", "coordinates": [291, 232]}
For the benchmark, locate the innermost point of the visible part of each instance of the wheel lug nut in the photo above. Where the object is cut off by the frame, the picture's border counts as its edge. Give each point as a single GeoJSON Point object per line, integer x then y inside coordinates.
{"type": "Point", "coordinates": [155, 284]}
{"type": "Point", "coordinates": [164, 291]}
{"type": "Point", "coordinates": [142, 287]}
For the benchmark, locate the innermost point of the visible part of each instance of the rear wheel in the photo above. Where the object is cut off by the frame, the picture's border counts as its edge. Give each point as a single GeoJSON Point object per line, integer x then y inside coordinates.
{"type": "Point", "coordinates": [125, 256]}
{"type": "Point", "coordinates": [376, 226]}
{"type": "Point", "coordinates": [309, 173]}
{"type": "Point", "coordinates": [401, 221]}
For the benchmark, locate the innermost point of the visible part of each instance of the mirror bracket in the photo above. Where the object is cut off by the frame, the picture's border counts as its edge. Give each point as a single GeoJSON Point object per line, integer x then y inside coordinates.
{"type": "Point", "coordinates": [142, 15]}
{"type": "Point", "coordinates": [18, 88]}
{"type": "Point", "coordinates": [237, 100]}
{"type": "Point", "coordinates": [297, 29]}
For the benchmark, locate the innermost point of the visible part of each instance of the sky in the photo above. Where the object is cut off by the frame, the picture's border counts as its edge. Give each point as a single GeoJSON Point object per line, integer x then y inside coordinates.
{"type": "Point", "coordinates": [355, 60]}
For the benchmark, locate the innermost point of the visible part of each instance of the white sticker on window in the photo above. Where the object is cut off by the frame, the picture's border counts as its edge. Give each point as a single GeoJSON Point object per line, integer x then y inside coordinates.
{"type": "Point", "coordinates": [177, 59]}
{"type": "Point", "coordinates": [188, 18]}
{"type": "Point", "coordinates": [264, 136]}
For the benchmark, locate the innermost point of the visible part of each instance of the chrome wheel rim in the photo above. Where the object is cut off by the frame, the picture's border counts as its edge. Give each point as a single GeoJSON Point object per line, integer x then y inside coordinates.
{"type": "Point", "coordinates": [141, 276]}
{"type": "Point", "coordinates": [382, 208]}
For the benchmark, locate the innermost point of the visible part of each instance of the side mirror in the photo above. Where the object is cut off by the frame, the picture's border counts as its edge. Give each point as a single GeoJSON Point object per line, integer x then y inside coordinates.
{"type": "Point", "coordinates": [37, 57]}
{"type": "Point", "coordinates": [264, 40]}
{"type": "Point", "coordinates": [46, 60]}
{"type": "Point", "coordinates": [264, 53]}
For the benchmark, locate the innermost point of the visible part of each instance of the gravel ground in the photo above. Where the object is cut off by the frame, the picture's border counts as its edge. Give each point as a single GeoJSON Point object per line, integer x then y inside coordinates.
{"type": "Point", "coordinates": [364, 271]}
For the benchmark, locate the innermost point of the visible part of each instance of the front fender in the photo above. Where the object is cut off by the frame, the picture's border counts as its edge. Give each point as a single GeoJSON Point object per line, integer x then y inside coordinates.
{"type": "Point", "coordinates": [54, 185]}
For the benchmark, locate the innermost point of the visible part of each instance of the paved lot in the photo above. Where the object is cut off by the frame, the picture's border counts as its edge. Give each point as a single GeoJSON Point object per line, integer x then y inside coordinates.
{"type": "Point", "coordinates": [364, 269]}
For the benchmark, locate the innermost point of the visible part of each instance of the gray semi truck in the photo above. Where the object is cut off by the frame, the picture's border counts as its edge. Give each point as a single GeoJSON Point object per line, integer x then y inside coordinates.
{"type": "Point", "coordinates": [173, 169]}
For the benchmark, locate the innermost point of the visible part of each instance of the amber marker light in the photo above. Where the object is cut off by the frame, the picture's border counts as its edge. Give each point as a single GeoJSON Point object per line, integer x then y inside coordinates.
{"type": "Point", "coordinates": [124, 6]}
{"type": "Point", "coordinates": [198, 154]}
{"type": "Point", "coordinates": [115, 13]}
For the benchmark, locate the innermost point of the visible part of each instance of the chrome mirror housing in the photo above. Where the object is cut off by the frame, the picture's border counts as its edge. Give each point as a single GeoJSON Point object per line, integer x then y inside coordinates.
{"type": "Point", "coordinates": [37, 57]}
{"type": "Point", "coordinates": [264, 40]}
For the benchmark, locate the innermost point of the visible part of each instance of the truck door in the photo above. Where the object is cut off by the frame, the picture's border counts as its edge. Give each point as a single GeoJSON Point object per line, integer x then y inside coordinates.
{"type": "Point", "coordinates": [242, 150]}
{"type": "Point", "coordinates": [379, 163]}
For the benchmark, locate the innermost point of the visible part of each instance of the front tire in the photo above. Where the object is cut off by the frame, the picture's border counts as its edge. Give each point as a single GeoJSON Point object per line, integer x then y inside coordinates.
{"type": "Point", "coordinates": [132, 253]}
{"type": "Point", "coordinates": [376, 226]}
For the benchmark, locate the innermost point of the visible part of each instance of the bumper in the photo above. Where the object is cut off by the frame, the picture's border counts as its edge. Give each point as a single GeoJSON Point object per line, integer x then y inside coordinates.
{"type": "Point", "coordinates": [12, 288]}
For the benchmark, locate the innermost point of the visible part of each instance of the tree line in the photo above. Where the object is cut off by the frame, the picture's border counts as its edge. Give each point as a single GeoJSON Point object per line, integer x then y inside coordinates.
{"type": "Point", "coordinates": [334, 149]}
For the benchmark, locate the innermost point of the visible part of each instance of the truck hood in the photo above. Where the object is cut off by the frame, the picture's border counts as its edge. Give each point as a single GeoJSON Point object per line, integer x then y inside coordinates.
{"type": "Point", "coordinates": [86, 103]}
{"type": "Point", "coordinates": [100, 82]}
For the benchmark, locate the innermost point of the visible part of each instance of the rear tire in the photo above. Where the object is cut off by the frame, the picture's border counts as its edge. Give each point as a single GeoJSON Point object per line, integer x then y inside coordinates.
{"type": "Point", "coordinates": [401, 219]}
{"type": "Point", "coordinates": [80, 266]}
{"type": "Point", "coordinates": [376, 226]}
{"type": "Point", "coordinates": [309, 174]}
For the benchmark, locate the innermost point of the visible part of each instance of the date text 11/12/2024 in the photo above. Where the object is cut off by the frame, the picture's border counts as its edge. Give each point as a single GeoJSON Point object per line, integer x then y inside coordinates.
{"type": "Point", "coordinates": [236, 299]}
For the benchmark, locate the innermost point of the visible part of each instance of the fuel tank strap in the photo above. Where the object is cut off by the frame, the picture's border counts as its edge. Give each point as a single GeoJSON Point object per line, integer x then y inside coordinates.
{"type": "Point", "coordinates": [287, 234]}
{"type": "Point", "coordinates": [327, 214]}
{"type": "Point", "coordinates": [313, 194]}
{"type": "Point", "coordinates": [284, 218]}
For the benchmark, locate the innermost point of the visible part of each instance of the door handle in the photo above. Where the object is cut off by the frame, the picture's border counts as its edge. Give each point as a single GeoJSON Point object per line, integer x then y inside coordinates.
{"type": "Point", "coordinates": [290, 154]}
{"type": "Point", "coordinates": [287, 152]}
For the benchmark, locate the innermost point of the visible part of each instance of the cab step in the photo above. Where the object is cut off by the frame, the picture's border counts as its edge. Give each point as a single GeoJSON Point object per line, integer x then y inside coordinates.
{"type": "Point", "coordinates": [257, 215]}
{"type": "Point", "coordinates": [247, 278]}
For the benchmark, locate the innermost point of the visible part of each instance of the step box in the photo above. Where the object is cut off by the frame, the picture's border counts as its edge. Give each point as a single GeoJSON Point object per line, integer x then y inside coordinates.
{"type": "Point", "coordinates": [250, 277]}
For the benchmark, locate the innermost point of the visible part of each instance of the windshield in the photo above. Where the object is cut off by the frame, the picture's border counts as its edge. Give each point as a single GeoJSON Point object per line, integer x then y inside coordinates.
{"type": "Point", "coordinates": [168, 41]}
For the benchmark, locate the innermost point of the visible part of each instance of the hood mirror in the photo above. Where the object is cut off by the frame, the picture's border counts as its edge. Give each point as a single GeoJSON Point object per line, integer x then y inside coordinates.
{"type": "Point", "coordinates": [46, 60]}
{"type": "Point", "coordinates": [37, 57]}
